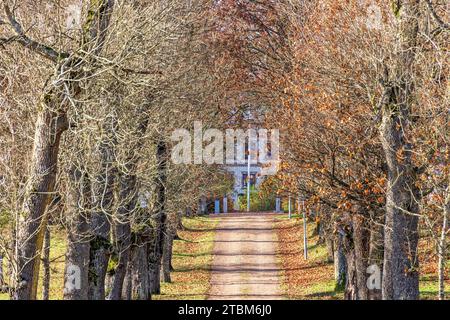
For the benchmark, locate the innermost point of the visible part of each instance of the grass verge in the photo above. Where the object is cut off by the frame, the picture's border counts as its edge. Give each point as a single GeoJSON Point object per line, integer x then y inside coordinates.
{"type": "Point", "coordinates": [192, 258]}
{"type": "Point", "coordinates": [303, 279]}
{"type": "Point", "coordinates": [314, 278]}
{"type": "Point", "coordinates": [57, 260]}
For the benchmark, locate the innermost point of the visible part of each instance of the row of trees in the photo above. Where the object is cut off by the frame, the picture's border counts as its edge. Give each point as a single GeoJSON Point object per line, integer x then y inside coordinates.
{"type": "Point", "coordinates": [364, 113]}
{"type": "Point", "coordinates": [90, 93]}
{"type": "Point", "coordinates": [359, 91]}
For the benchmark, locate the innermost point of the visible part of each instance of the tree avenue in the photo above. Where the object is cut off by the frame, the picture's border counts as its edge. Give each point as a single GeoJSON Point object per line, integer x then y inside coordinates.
{"type": "Point", "coordinates": [98, 96]}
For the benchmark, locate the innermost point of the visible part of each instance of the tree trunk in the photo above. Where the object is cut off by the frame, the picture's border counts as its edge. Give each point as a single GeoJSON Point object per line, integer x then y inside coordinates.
{"type": "Point", "coordinates": [355, 242]}
{"type": "Point", "coordinates": [179, 223]}
{"type": "Point", "coordinates": [3, 287]}
{"type": "Point", "coordinates": [100, 246]}
{"type": "Point", "coordinates": [167, 256]}
{"type": "Point", "coordinates": [122, 245]}
{"type": "Point", "coordinates": [155, 276]}
{"type": "Point", "coordinates": [98, 260]}
{"type": "Point", "coordinates": [202, 206]}
{"type": "Point", "coordinates": [2, 277]}
{"type": "Point", "coordinates": [127, 204]}
{"type": "Point", "coordinates": [127, 198]}
{"type": "Point", "coordinates": [99, 254]}
{"type": "Point", "coordinates": [351, 286]}
{"type": "Point", "coordinates": [76, 273]}
{"type": "Point", "coordinates": [318, 228]}
{"type": "Point", "coordinates": [347, 233]}
{"type": "Point", "coordinates": [442, 247]}
{"type": "Point", "coordinates": [156, 255]}
{"type": "Point", "coordinates": [11, 264]}
{"type": "Point", "coordinates": [127, 283]}
{"type": "Point", "coordinates": [361, 236]}
{"type": "Point", "coordinates": [376, 254]}
{"type": "Point", "coordinates": [330, 247]}
{"type": "Point", "coordinates": [340, 264]}
{"type": "Point", "coordinates": [139, 271]}
{"type": "Point", "coordinates": [400, 267]}
{"type": "Point", "coordinates": [46, 265]}
{"type": "Point", "coordinates": [32, 224]}
{"type": "Point", "coordinates": [154, 262]}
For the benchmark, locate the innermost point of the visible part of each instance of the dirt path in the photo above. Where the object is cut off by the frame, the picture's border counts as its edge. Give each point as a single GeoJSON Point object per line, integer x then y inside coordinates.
{"type": "Point", "coordinates": [245, 264]}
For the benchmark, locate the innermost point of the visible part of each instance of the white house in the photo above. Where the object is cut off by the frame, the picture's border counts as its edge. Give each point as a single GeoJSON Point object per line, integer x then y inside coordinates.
{"type": "Point", "coordinates": [241, 170]}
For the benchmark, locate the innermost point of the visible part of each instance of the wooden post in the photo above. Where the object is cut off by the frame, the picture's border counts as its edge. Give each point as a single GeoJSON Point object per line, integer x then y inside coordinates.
{"type": "Point", "coordinates": [289, 205]}
{"type": "Point", "coordinates": [277, 205]}
{"type": "Point", "coordinates": [217, 206]}
{"type": "Point", "coordinates": [225, 204]}
{"type": "Point", "coordinates": [305, 231]}
{"type": "Point", "coordinates": [248, 179]}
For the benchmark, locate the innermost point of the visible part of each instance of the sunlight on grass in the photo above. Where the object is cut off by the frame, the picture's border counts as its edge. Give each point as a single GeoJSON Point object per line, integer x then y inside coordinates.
{"type": "Point", "coordinates": [57, 262]}
{"type": "Point", "coordinates": [303, 279]}
{"type": "Point", "coordinates": [57, 252]}
{"type": "Point", "coordinates": [314, 278]}
{"type": "Point", "coordinates": [428, 287]}
{"type": "Point", "coordinates": [322, 290]}
{"type": "Point", "coordinates": [192, 258]}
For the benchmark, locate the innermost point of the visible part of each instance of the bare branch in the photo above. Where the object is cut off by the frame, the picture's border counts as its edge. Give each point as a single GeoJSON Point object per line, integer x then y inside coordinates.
{"type": "Point", "coordinates": [438, 19]}
{"type": "Point", "coordinates": [40, 48]}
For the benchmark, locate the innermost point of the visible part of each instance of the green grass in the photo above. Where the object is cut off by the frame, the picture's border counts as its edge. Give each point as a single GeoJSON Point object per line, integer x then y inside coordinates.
{"type": "Point", "coordinates": [192, 259]}
{"type": "Point", "coordinates": [57, 251]}
{"type": "Point", "coordinates": [428, 287]}
{"type": "Point", "coordinates": [285, 216]}
{"type": "Point", "coordinates": [325, 288]}
{"type": "Point", "coordinates": [317, 256]}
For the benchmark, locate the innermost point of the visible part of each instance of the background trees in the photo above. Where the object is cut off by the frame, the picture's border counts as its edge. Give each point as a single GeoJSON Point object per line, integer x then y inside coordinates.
{"type": "Point", "coordinates": [92, 90]}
